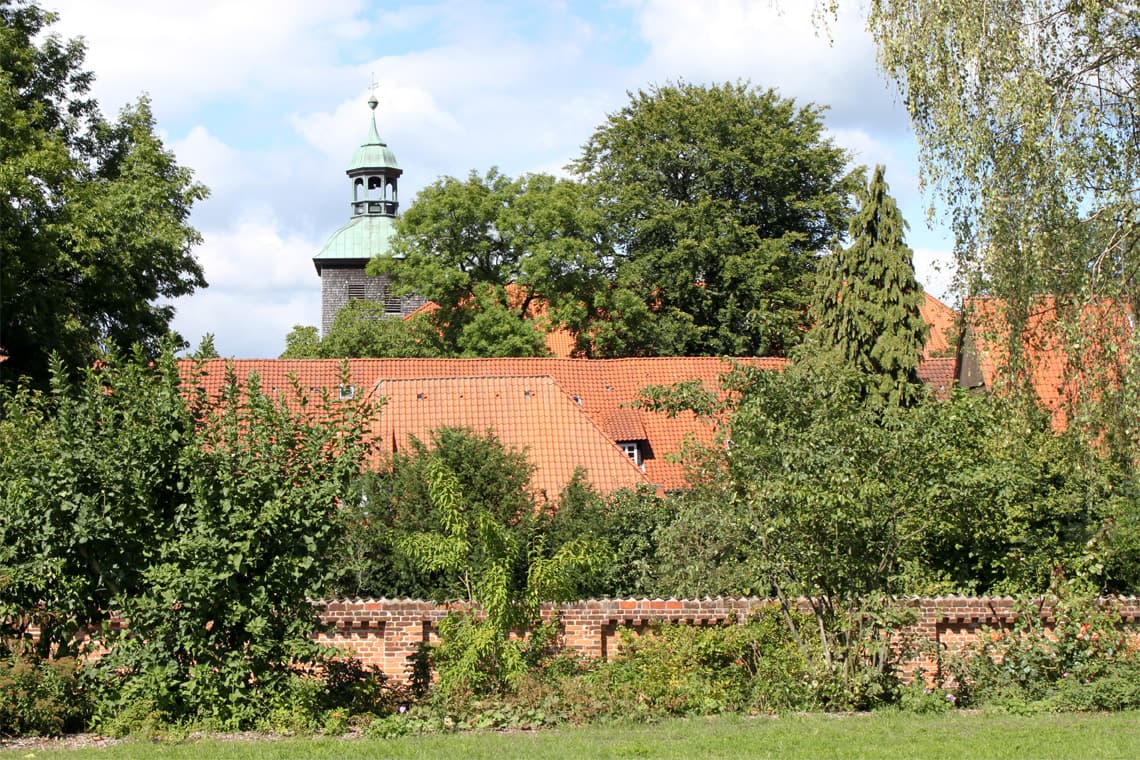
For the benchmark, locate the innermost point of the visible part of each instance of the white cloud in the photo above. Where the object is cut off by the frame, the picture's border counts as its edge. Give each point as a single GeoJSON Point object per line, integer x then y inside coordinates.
{"type": "Point", "coordinates": [262, 282]}
{"type": "Point", "coordinates": [188, 53]}
{"type": "Point", "coordinates": [774, 45]}
{"type": "Point", "coordinates": [256, 257]}
{"type": "Point", "coordinates": [243, 329]}
{"type": "Point", "coordinates": [215, 164]}
{"type": "Point", "coordinates": [868, 150]}
{"type": "Point", "coordinates": [934, 268]}
{"type": "Point", "coordinates": [402, 110]}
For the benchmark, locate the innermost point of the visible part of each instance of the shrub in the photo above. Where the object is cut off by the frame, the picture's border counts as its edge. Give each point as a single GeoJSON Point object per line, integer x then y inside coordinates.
{"type": "Point", "coordinates": [920, 699]}
{"type": "Point", "coordinates": [40, 697]}
{"type": "Point", "coordinates": [684, 670]}
{"type": "Point", "coordinates": [151, 698]}
{"type": "Point", "coordinates": [1083, 662]}
{"type": "Point", "coordinates": [477, 658]}
{"type": "Point", "coordinates": [680, 670]}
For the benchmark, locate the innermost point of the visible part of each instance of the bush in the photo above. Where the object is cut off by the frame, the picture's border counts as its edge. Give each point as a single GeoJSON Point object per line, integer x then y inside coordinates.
{"type": "Point", "coordinates": [920, 699]}
{"type": "Point", "coordinates": [40, 697]}
{"type": "Point", "coordinates": [1084, 662]}
{"type": "Point", "coordinates": [324, 695]}
{"type": "Point", "coordinates": [476, 658]}
{"type": "Point", "coordinates": [686, 670]}
{"type": "Point", "coordinates": [624, 525]}
{"type": "Point", "coordinates": [680, 670]}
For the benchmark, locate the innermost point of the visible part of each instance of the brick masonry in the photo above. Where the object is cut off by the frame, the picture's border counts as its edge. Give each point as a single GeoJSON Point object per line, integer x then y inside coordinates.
{"type": "Point", "coordinates": [385, 632]}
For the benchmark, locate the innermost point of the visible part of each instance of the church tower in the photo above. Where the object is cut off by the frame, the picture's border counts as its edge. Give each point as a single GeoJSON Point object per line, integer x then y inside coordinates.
{"type": "Point", "coordinates": [374, 175]}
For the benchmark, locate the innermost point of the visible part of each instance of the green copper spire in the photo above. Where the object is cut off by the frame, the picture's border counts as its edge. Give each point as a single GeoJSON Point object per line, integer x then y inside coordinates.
{"type": "Point", "coordinates": [374, 153]}
{"type": "Point", "coordinates": [375, 175]}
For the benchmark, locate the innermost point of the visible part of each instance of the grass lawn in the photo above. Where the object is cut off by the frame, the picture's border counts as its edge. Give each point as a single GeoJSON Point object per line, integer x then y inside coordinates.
{"type": "Point", "coordinates": [882, 735]}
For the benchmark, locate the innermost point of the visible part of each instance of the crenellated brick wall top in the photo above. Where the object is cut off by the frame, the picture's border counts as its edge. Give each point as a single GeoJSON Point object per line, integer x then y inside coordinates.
{"type": "Point", "coordinates": [384, 632]}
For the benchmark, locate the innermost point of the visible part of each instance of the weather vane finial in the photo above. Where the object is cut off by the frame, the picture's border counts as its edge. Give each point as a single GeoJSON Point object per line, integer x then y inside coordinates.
{"type": "Point", "coordinates": [372, 101]}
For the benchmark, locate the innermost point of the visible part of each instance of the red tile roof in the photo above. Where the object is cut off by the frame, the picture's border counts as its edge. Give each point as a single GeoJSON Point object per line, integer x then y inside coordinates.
{"type": "Point", "coordinates": [943, 323]}
{"type": "Point", "coordinates": [527, 413]}
{"type": "Point", "coordinates": [603, 389]}
{"type": "Point", "coordinates": [1055, 381]}
{"type": "Point", "coordinates": [626, 425]}
{"type": "Point", "coordinates": [938, 373]}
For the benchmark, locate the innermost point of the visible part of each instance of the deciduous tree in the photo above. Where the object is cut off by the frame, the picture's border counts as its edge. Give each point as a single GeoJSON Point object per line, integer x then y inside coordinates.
{"type": "Point", "coordinates": [201, 520]}
{"type": "Point", "coordinates": [488, 251]}
{"type": "Point", "coordinates": [396, 501]}
{"type": "Point", "coordinates": [362, 330]}
{"type": "Point", "coordinates": [94, 232]}
{"type": "Point", "coordinates": [1025, 114]}
{"type": "Point", "coordinates": [717, 200]}
{"type": "Point", "coordinates": [302, 342]}
{"type": "Point", "coordinates": [481, 655]}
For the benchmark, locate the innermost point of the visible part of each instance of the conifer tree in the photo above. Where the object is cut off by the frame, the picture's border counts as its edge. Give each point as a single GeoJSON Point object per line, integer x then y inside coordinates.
{"type": "Point", "coordinates": [867, 301]}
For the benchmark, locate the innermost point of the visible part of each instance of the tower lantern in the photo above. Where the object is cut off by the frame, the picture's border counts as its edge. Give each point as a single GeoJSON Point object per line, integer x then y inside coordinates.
{"type": "Point", "coordinates": [374, 174]}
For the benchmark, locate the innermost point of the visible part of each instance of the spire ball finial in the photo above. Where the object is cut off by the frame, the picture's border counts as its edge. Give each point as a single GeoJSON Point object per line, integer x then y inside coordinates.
{"type": "Point", "coordinates": [372, 101]}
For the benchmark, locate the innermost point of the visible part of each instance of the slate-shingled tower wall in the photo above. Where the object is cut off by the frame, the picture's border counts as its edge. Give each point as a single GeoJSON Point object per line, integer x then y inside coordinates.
{"type": "Point", "coordinates": [340, 283]}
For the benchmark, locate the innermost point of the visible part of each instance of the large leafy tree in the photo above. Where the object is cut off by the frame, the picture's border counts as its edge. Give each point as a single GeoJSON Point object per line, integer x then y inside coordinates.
{"type": "Point", "coordinates": [479, 653]}
{"type": "Point", "coordinates": [1025, 116]}
{"type": "Point", "coordinates": [396, 501]}
{"type": "Point", "coordinates": [91, 486]}
{"type": "Point", "coordinates": [503, 259]}
{"type": "Point", "coordinates": [93, 213]}
{"type": "Point", "coordinates": [866, 308]}
{"type": "Point", "coordinates": [718, 199]}
{"type": "Point", "coordinates": [823, 498]}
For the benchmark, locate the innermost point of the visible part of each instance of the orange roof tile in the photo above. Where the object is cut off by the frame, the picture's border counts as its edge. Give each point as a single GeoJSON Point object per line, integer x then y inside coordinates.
{"type": "Point", "coordinates": [560, 343]}
{"type": "Point", "coordinates": [1055, 380]}
{"type": "Point", "coordinates": [943, 323]}
{"type": "Point", "coordinates": [601, 388]}
{"type": "Point", "coordinates": [626, 425]}
{"type": "Point", "coordinates": [527, 413]}
{"type": "Point", "coordinates": [938, 373]}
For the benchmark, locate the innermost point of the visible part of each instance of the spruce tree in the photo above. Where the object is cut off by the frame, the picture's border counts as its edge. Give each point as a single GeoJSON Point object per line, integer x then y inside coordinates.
{"type": "Point", "coordinates": [867, 301]}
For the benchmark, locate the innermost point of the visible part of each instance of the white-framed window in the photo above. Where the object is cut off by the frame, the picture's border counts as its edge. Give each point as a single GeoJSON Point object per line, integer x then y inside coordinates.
{"type": "Point", "coordinates": [346, 392]}
{"type": "Point", "coordinates": [632, 450]}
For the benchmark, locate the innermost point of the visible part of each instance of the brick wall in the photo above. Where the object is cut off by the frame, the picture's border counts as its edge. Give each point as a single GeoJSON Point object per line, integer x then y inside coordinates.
{"type": "Point", "coordinates": [385, 632]}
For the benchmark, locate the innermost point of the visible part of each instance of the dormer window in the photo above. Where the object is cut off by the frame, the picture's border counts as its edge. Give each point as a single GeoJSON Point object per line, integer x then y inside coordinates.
{"type": "Point", "coordinates": [632, 450]}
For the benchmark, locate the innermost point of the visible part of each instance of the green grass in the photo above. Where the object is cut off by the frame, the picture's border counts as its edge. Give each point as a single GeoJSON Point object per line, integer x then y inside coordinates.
{"type": "Point", "coordinates": [882, 735]}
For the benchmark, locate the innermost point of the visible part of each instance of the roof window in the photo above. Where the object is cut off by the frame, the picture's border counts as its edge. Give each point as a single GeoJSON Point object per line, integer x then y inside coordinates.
{"type": "Point", "coordinates": [632, 449]}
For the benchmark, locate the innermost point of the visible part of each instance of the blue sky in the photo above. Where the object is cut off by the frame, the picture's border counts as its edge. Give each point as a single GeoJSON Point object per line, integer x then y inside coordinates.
{"type": "Point", "coordinates": [266, 102]}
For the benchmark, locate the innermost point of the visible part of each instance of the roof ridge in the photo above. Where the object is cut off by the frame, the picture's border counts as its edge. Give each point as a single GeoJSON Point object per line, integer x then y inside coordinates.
{"type": "Point", "coordinates": [465, 377]}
